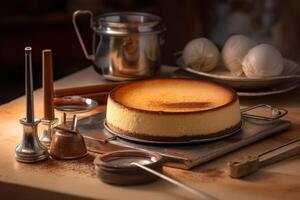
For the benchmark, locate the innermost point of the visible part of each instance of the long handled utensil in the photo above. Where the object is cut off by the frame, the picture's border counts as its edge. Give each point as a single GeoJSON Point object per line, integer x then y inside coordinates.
{"type": "Point", "coordinates": [196, 192]}
{"type": "Point", "coordinates": [250, 164]}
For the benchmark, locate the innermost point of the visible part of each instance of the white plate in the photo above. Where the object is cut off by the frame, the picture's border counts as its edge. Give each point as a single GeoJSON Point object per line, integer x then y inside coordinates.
{"type": "Point", "coordinates": [222, 75]}
{"type": "Point", "coordinates": [279, 89]}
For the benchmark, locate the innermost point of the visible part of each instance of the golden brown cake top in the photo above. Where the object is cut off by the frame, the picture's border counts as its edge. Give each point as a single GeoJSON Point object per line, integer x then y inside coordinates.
{"type": "Point", "coordinates": [173, 95]}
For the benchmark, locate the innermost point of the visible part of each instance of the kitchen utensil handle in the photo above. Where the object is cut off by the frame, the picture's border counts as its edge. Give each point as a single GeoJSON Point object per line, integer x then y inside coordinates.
{"type": "Point", "coordinates": [201, 194]}
{"type": "Point", "coordinates": [74, 123]}
{"type": "Point", "coordinates": [277, 113]}
{"type": "Point", "coordinates": [29, 86]}
{"type": "Point", "coordinates": [82, 90]}
{"type": "Point", "coordinates": [48, 84]}
{"type": "Point", "coordinates": [75, 14]}
{"type": "Point", "coordinates": [162, 37]}
{"type": "Point", "coordinates": [284, 152]}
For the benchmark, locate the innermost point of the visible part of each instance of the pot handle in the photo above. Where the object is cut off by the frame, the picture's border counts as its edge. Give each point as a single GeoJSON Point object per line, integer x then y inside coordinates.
{"type": "Point", "coordinates": [75, 14]}
{"type": "Point", "coordinates": [162, 36]}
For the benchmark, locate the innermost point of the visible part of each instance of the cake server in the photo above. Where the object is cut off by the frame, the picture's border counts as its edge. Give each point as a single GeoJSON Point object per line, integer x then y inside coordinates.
{"type": "Point", "coordinates": [250, 164]}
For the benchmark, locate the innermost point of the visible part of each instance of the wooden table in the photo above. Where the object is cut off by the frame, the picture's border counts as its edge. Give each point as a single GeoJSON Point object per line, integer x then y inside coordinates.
{"type": "Point", "coordinates": [77, 180]}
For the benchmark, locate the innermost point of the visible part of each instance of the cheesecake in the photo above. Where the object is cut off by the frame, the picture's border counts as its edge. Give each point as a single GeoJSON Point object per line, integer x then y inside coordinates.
{"type": "Point", "coordinates": [173, 110]}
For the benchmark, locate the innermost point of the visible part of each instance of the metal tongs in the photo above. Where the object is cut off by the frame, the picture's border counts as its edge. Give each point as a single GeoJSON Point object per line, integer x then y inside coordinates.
{"type": "Point", "coordinates": [250, 164]}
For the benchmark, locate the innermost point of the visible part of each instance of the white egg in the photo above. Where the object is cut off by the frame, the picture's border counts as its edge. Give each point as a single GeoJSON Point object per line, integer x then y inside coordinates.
{"type": "Point", "coordinates": [201, 54]}
{"type": "Point", "coordinates": [262, 61]}
{"type": "Point", "coordinates": [234, 51]}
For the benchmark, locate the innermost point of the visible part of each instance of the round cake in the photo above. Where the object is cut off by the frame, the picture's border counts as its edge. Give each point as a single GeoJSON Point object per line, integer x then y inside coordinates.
{"type": "Point", "coordinates": [173, 110]}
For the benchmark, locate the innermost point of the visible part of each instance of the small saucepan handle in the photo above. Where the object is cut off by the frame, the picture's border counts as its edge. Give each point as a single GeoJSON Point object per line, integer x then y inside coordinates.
{"type": "Point", "coordinates": [75, 14]}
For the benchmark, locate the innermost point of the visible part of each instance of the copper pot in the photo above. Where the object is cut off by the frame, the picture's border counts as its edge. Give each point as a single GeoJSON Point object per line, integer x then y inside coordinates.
{"type": "Point", "coordinates": [67, 143]}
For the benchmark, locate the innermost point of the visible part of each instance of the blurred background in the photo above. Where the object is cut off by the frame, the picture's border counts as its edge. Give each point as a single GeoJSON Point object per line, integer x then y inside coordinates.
{"type": "Point", "coordinates": [48, 24]}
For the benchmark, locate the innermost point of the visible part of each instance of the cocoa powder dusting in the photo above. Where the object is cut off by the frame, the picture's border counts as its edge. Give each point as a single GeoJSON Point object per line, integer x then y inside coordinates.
{"type": "Point", "coordinates": [201, 176]}
{"type": "Point", "coordinates": [207, 175]}
{"type": "Point", "coordinates": [83, 166]}
{"type": "Point", "coordinates": [214, 173]}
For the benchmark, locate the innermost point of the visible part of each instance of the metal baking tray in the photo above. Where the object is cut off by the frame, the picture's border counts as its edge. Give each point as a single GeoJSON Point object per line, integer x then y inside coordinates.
{"type": "Point", "coordinates": [185, 156]}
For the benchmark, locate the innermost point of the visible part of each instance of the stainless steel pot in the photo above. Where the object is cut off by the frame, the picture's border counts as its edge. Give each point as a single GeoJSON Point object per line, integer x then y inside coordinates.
{"type": "Point", "coordinates": [126, 45]}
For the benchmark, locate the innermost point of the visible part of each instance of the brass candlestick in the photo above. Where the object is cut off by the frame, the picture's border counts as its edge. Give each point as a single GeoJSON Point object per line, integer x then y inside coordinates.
{"type": "Point", "coordinates": [30, 149]}
{"type": "Point", "coordinates": [49, 121]}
